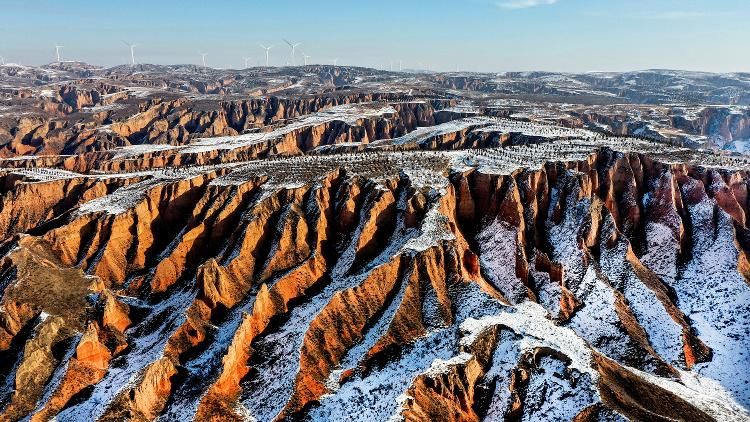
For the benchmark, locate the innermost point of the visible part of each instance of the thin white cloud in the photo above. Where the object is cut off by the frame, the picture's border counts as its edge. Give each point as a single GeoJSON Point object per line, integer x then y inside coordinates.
{"type": "Point", "coordinates": [523, 4]}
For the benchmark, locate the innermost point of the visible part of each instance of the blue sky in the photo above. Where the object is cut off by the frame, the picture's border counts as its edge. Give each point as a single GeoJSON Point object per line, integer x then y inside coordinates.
{"type": "Point", "coordinates": [479, 35]}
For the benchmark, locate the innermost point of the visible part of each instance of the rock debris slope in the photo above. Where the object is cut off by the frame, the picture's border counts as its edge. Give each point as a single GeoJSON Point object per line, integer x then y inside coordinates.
{"type": "Point", "coordinates": [375, 259]}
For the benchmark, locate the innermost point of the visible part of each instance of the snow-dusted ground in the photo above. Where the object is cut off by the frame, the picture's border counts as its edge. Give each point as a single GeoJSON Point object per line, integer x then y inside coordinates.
{"type": "Point", "coordinates": [557, 397]}
{"type": "Point", "coordinates": [663, 332]}
{"type": "Point", "coordinates": [708, 288]}
{"type": "Point", "coordinates": [378, 395]}
{"type": "Point", "coordinates": [265, 395]}
{"type": "Point", "coordinates": [426, 133]}
{"type": "Point", "coordinates": [704, 393]}
{"type": "Point", "coordinates": [148, 340]}
{"type": "Point", "coordinates": [716, 298]}
{"type": "Point", "coordinates": [497, 254]}
{"type": "Point", "coordinates": [203, 368]}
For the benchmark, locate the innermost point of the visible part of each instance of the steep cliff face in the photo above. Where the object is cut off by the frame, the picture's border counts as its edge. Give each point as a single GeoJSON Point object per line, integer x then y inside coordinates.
{"type": "Point", "coordinates": [449, 269]}
{"type": "Point", "coordinates": [706, 126]}
{"type": "Point", "coordinates": [722, 125]}
{"type": "Point", "coordinates": [164, 134]}
{"type": "Point", "coordinates": [178, 121]}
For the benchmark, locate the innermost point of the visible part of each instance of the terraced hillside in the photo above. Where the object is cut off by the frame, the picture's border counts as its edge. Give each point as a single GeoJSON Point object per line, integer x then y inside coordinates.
{"type": "Point", "coordinates": [372, 257]}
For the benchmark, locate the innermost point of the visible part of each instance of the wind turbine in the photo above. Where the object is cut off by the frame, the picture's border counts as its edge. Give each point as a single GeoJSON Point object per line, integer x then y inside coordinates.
{"type": "Point", "coordinates": [203, 58]}
{"type": "Point", "coordinates": [268, 54]}
{"type": "Point", "coordinates": [334, 62]}
{"type": "Point", "coordinates": [294, 47]}
{"type": "Point", "coordinates": [57, 51]}
{"type": "Point", "coordinates": [132, 52]}
{"type": "Point", "coordinates": [2, 60]}
{"type": "Point", "coordinates": [305, 56]}
{"type": "Point", "coordinates": [247, 59]}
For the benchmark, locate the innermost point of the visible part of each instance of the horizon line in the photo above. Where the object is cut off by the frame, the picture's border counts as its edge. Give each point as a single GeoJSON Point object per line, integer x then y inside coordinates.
{"type": "Point", "coordinates": [405, 69]}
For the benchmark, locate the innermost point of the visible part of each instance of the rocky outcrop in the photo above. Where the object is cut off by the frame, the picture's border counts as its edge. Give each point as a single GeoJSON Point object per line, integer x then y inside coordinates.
{"type": "Point", "coordinates": [722, 124]}
{"type": "Point", "coordinates": [178, 121]}
{"type": "Point", "coordinates": [545, 279]}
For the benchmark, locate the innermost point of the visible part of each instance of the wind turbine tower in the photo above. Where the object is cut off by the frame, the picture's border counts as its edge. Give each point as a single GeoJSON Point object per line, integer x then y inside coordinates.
{"type": "Point", "coordinates": [294, 47]}
{"type": "Point", "coordinates": [247, 59]}
{"type": "Point", "coordinates": [57, 51]}
{"type": "Point", "coordinates": [203, 58]}
{"type": "Point", "coordinates": [306, 57]}
{"type": "Point", "coordinates": [132, 52]}
{"type": "Point", "coordinates": [268, 54]}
